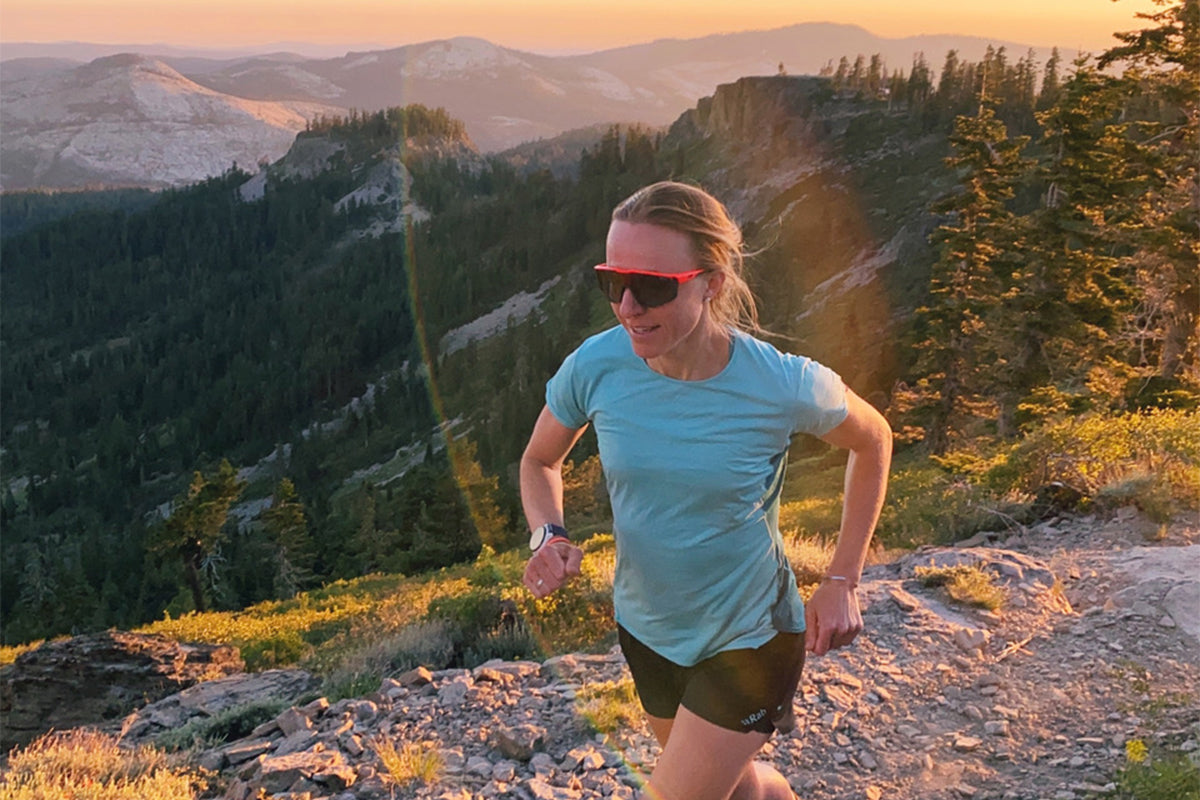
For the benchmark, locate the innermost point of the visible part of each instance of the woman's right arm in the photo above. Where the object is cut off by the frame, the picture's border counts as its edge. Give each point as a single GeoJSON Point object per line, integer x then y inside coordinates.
{"type": "Point", "coordinates": [542, 498]}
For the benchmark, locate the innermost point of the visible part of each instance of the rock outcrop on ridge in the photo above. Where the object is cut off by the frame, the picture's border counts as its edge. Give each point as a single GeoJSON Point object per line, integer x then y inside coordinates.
{"type": "Point", "coordinates": [101, 676]}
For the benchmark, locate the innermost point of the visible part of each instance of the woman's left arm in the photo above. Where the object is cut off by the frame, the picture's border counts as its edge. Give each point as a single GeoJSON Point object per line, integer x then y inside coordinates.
{"type": "Point", "coordinates": [832, 613]}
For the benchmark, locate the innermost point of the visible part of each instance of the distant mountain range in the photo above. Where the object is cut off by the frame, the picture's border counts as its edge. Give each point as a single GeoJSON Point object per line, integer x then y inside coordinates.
{"type": "Point", "coordinates": [162, 119]}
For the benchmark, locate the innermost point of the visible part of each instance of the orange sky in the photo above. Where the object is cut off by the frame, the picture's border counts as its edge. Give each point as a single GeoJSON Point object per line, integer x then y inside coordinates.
{"type": "Point", "coordinates": [547, 25]}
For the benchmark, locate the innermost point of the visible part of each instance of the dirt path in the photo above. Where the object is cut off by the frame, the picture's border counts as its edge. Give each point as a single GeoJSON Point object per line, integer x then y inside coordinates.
{"type": "Point", "coordinates": [1099, 650]}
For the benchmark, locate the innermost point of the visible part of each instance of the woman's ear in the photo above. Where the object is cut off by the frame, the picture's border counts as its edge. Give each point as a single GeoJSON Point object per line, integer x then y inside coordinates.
{"type": "Point", "coordinates": [715, 281]}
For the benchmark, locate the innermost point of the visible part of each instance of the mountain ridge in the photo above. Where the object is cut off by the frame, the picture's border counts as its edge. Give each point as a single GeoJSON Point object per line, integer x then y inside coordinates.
{"type": "Point", "coordinates": [130, 119]}
{"type": "Point", "coordinates": [504, 96]}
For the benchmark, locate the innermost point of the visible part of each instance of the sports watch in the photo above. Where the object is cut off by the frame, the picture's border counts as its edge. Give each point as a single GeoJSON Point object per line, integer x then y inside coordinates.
{"type": "Point", "coordinates": [544, 534]}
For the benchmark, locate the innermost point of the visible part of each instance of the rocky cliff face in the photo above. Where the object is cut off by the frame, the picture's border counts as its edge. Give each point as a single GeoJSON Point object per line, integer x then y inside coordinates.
{"type": "Point", "coordinates": [384, 180]}
{"type": "Point", "coordinates": [762, 136]}
{"type": "Point", "coordinates": [834, 193]}
{"type": "Point", "coordinates": [757, 109]}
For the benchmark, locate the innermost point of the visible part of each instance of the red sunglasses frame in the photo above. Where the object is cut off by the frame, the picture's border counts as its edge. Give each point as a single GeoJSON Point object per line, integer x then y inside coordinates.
{"type": "Point", "coordinates": [679, 278]}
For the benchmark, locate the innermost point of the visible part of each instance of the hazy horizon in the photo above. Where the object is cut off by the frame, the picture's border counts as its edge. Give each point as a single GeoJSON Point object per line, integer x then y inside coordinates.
{"type": "Point", "coordinates": [313, 29]}
{"type": "Point", "coordinates": [338, 50]}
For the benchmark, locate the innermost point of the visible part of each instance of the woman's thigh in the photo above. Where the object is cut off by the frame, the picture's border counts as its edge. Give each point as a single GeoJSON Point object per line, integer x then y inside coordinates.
{"type": "Point", "coordinates": [700, 760]}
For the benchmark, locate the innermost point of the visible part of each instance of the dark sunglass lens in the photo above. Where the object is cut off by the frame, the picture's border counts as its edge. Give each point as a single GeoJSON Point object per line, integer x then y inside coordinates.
{"type": "Point", "coordinates": [652, 291]}
{"type": "Point", "coordinates": [612, 284]}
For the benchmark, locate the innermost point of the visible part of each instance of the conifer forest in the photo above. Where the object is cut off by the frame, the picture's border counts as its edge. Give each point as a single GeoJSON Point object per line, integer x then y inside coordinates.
{"type": "Point", "coordinates": [209, 400]}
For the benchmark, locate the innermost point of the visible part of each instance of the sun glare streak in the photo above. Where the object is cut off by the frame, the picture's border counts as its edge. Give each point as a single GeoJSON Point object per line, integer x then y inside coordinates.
{"type": "Point", "coordinates": [459, 454]}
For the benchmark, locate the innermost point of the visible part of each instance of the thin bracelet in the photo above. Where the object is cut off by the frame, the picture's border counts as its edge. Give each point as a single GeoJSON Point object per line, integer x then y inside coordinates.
{"type": "Point", "coordinates": [843, 579]}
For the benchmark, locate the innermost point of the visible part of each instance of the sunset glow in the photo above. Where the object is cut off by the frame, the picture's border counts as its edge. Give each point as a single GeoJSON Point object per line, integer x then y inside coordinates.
{"type": "Point", "coordinates": [555, 26]}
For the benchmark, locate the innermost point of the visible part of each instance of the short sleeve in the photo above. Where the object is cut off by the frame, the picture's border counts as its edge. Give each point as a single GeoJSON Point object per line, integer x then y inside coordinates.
{"type": "Point", "coordinates": [822, 396]}
{"type": "Point", "coordinates": [565, 394]}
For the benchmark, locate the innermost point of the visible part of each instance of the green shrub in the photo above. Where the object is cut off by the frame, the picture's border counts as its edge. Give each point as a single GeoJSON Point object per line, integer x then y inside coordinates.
{"type": "Point", "coordinates": [1096, 451]}
{"type": "Point", "coordinates": [423, 644]}
{"type": "Point", "coordinates": [1152, 494]}
{"type": "Point", "coordinates": [1164, 776]}
{"type": "Point", "coordinates": [226, 726]}
{"type": "Point", "coordinates": [486, 575]}
{"type": "Point", "coordinates": [926, 505]}
{"type": "Point", "coordinates": [511, 643]}
{"type": "Point", "coordinates": [966, 584]}
{"type": "Point", "coordinates": [284, 648]}
{"type": "Point", "coordinates": [473, 614]}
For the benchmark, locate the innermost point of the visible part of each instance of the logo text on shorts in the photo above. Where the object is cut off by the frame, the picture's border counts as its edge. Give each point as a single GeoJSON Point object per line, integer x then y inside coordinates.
{"type": "Point", "coordinates": [755, 717]}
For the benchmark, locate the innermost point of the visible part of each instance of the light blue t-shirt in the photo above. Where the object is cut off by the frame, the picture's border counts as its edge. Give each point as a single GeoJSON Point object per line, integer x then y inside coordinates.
{"type": "Point", "coordinates": [694, 471]}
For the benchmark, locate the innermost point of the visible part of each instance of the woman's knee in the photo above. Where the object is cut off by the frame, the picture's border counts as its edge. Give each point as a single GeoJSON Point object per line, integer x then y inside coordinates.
{"type": "Point", "coordinates": [661, 727]}
{"type": "Point", "coordinates": [761, 781]}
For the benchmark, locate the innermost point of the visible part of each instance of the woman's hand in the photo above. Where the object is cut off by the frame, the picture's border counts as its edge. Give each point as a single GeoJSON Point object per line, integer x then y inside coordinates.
{"type": "Point", "coordinates": [552, 566]}
{"type": "Point", "coordinates": [833, 617]}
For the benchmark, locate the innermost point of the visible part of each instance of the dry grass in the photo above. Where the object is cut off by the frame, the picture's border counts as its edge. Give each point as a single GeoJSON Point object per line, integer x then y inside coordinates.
{"type": "Point", "coordinates": [410, 763]}
{"type": "Point", "coordinates": [809, 558]}
{"type": "Point", "coordinates": [85, 765]}
{"type": "Point", "coordinates": [610, 706]}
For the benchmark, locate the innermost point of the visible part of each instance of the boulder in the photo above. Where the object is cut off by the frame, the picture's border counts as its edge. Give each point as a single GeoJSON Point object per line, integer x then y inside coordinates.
{"type": "Point", "coordinates": [100, 677]}
{"type": "Point", "coordinates": [223, 694]}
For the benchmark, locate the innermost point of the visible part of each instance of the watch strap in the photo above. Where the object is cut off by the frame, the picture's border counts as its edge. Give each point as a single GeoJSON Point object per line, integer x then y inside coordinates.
{"type": "Point", "coordinates": [550, 532]}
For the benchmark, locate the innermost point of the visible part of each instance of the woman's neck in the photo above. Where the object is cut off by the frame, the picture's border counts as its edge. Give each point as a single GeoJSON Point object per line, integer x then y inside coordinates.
{"type": "Point", "coordinates": [706, 353]}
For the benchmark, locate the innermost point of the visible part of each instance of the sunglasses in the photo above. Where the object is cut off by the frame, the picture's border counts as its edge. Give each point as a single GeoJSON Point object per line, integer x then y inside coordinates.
{"type": "Point", "coordinates": [650, 289]}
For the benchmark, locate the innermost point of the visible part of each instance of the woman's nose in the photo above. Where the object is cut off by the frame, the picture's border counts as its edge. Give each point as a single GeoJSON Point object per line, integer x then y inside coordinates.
{"type": "Point", "coordinates": [629, 304]}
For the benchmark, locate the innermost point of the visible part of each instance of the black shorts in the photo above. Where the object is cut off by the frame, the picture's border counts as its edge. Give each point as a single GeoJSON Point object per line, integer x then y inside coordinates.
{"type": "Point", "coordinates": [741, 690]}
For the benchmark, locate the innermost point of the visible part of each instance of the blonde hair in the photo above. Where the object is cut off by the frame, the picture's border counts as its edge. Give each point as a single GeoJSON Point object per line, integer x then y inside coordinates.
{"type": "Point", "coordinates": [716, 238]}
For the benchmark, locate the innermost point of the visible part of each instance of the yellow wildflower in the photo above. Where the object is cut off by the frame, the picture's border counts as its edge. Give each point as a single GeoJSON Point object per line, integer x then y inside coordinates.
{"type": "Point", "coordinates": [1135, 751]}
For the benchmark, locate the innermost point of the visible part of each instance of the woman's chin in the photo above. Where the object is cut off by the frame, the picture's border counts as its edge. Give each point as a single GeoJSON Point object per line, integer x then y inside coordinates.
{"type": "Point", "coordinates": [645, 345]}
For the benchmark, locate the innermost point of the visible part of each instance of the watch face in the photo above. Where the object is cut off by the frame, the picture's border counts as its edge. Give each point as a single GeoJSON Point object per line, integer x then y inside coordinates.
{"type": "Point", "coordinates": [537, 538]}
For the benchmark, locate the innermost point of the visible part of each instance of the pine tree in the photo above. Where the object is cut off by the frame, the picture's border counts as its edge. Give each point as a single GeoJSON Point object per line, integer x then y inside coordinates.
{"type": "Point", "coordinates": [950, 81]}
{"type": "Point", "coordinates": [964, 286]}
{"type": "Point", "coordinates": [1063, 298]}
{"type": "Point", "coordinates": [193, 532]}
{"type": "Point", "coordinates": [364, 553]}
{"type": "Point", "coordinates": [920, 82]}
{"type": "Point", "coordinates": [1048, 94]}
{"type": "Point", "coordinates": [876, 72]}
{"type": "Point", "coordinates": [842, 75]}
{"type": "Point", "coordinates": [286, 523]}
{"type": "Point", "coordinates": [1163, 62]}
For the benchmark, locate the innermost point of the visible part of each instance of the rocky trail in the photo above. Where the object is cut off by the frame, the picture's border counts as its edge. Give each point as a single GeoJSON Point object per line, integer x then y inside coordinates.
{"type": "Point", "coordinates": [1095, 646]}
